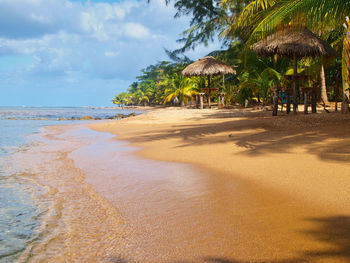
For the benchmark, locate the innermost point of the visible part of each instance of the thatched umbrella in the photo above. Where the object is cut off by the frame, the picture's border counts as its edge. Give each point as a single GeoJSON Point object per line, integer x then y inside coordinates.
{"type": "Point", "coordinates": [207, 66]}
{"type": "Point", "coordinates": [296, 43]}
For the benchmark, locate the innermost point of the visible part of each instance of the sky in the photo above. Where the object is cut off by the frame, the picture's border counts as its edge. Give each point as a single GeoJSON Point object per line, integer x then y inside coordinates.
{"type": "Point", "coordinates": [82, 52]}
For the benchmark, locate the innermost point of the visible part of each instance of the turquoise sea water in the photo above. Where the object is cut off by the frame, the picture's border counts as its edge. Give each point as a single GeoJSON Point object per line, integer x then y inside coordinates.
{"type": "Point", "coordinates": [19, 211]}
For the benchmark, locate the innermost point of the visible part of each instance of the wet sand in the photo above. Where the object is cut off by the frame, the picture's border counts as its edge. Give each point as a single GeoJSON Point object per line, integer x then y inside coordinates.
{"type": "Point", "coordinates": [263, 189]}
{"type": "Point", "coordinates": [78, 225]}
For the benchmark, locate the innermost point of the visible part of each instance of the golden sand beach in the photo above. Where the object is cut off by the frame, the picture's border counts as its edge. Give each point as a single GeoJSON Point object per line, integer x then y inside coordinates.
{"type": "Point", "coordinates": [271, 189]}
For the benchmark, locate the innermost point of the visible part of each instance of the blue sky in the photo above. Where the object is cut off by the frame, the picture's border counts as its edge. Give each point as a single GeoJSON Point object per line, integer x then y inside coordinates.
{"type": "Point", "coordinates": [81, 53]}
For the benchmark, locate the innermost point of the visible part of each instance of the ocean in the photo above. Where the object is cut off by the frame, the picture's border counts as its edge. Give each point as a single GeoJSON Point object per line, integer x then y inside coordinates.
{"type": "Point", "coordinates": [21, 213]}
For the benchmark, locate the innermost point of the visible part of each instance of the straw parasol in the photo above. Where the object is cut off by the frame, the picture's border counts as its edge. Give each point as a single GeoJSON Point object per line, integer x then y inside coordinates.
{"type": "Point", "coordinates": [294, 43]}
{"type": "Point", "coordinates": [207, 66]}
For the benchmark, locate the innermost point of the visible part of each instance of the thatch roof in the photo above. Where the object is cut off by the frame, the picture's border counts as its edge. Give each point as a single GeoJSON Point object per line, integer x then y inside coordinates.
{"type": "Point", "coordinates": [207, 66]}
{"type": "Point", "coordinates": [286, 42]}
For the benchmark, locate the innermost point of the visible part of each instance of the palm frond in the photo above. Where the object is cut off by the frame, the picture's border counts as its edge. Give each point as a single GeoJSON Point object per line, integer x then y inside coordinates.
{"type": "Point", "coordinates": [251, 9]}
{"type": "Point", "coordinates": [299, 12]}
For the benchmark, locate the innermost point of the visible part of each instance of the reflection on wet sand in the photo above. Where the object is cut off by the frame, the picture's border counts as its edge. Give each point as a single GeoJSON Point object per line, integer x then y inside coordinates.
{"type": "Point", "coordinates": [80, 226]}
{"type": "Point", "coordinates": [111, 206]}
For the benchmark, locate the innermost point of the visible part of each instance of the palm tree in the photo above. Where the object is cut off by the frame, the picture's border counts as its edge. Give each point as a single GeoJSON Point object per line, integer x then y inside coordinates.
{"type": "Point", "coordinates": [260, 84]}
{"type": "Point", "coordinates": [346, 55]}
{"type": "Point", "coordinates": [121, 99]}
{"type": "Point", "coordinates": [143, 93]}
{"type": "Point", "coordinates": [178, 86]}
{"type": "Point", "coordinates": [346, 67]}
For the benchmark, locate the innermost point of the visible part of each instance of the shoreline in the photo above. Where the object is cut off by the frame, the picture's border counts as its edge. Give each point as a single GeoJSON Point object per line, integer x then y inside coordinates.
{"type": "Point", "coordinates": [73, 215]}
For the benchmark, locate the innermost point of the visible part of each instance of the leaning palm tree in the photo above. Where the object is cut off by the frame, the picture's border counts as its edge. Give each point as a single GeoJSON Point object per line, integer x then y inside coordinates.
{"type": "Point", "coordinates": [346, 67]}
{"type": "Point", "coordinates": [346, 55]}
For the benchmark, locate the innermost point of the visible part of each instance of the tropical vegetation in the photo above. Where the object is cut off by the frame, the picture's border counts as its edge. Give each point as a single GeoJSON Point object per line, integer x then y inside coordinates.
{"type": "Point", "coordinates": [240, 24]}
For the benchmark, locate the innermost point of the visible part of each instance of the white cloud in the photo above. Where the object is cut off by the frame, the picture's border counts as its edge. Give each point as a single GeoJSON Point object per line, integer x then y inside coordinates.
{"type": "Point", "coordinates": [136, 30]}
{"type": "Point", "coordinates": [87, 40]}
{"type": "Point", "coordinates": [73, 36]}
{"type": "Point", "coordinates": [111, 54]}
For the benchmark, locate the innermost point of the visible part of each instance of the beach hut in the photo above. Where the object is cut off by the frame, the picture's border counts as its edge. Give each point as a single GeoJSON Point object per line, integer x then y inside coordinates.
{"type": "Point", "coordinates": [208, 66]}
{"type": "Point", "coordinates": [294, 42]}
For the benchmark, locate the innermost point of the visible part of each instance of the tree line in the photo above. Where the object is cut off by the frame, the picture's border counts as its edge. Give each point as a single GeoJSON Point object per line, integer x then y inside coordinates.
{"type": "Point", "coordinates": [239, 24]}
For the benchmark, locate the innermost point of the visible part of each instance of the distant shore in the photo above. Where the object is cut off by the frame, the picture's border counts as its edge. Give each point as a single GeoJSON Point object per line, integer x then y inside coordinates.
{"type": "Point", "coordinates": [295, 170]}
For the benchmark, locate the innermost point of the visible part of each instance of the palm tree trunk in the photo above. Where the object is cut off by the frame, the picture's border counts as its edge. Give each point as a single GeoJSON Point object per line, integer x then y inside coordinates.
{"type": "Point", "coordinates": [345, 68]}
{"type": "Point", "coordinates": [324, 96]}
{"type": "Point", "coordinates": [182, 100]}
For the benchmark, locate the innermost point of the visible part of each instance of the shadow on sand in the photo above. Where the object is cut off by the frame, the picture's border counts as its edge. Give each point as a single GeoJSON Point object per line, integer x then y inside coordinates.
{"type": "Point", "coordinates": [334, 231]}
{"type": "Point", "coordinates": [259, 134]}
{"type": "Point", "coordinates": [328, 139]}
